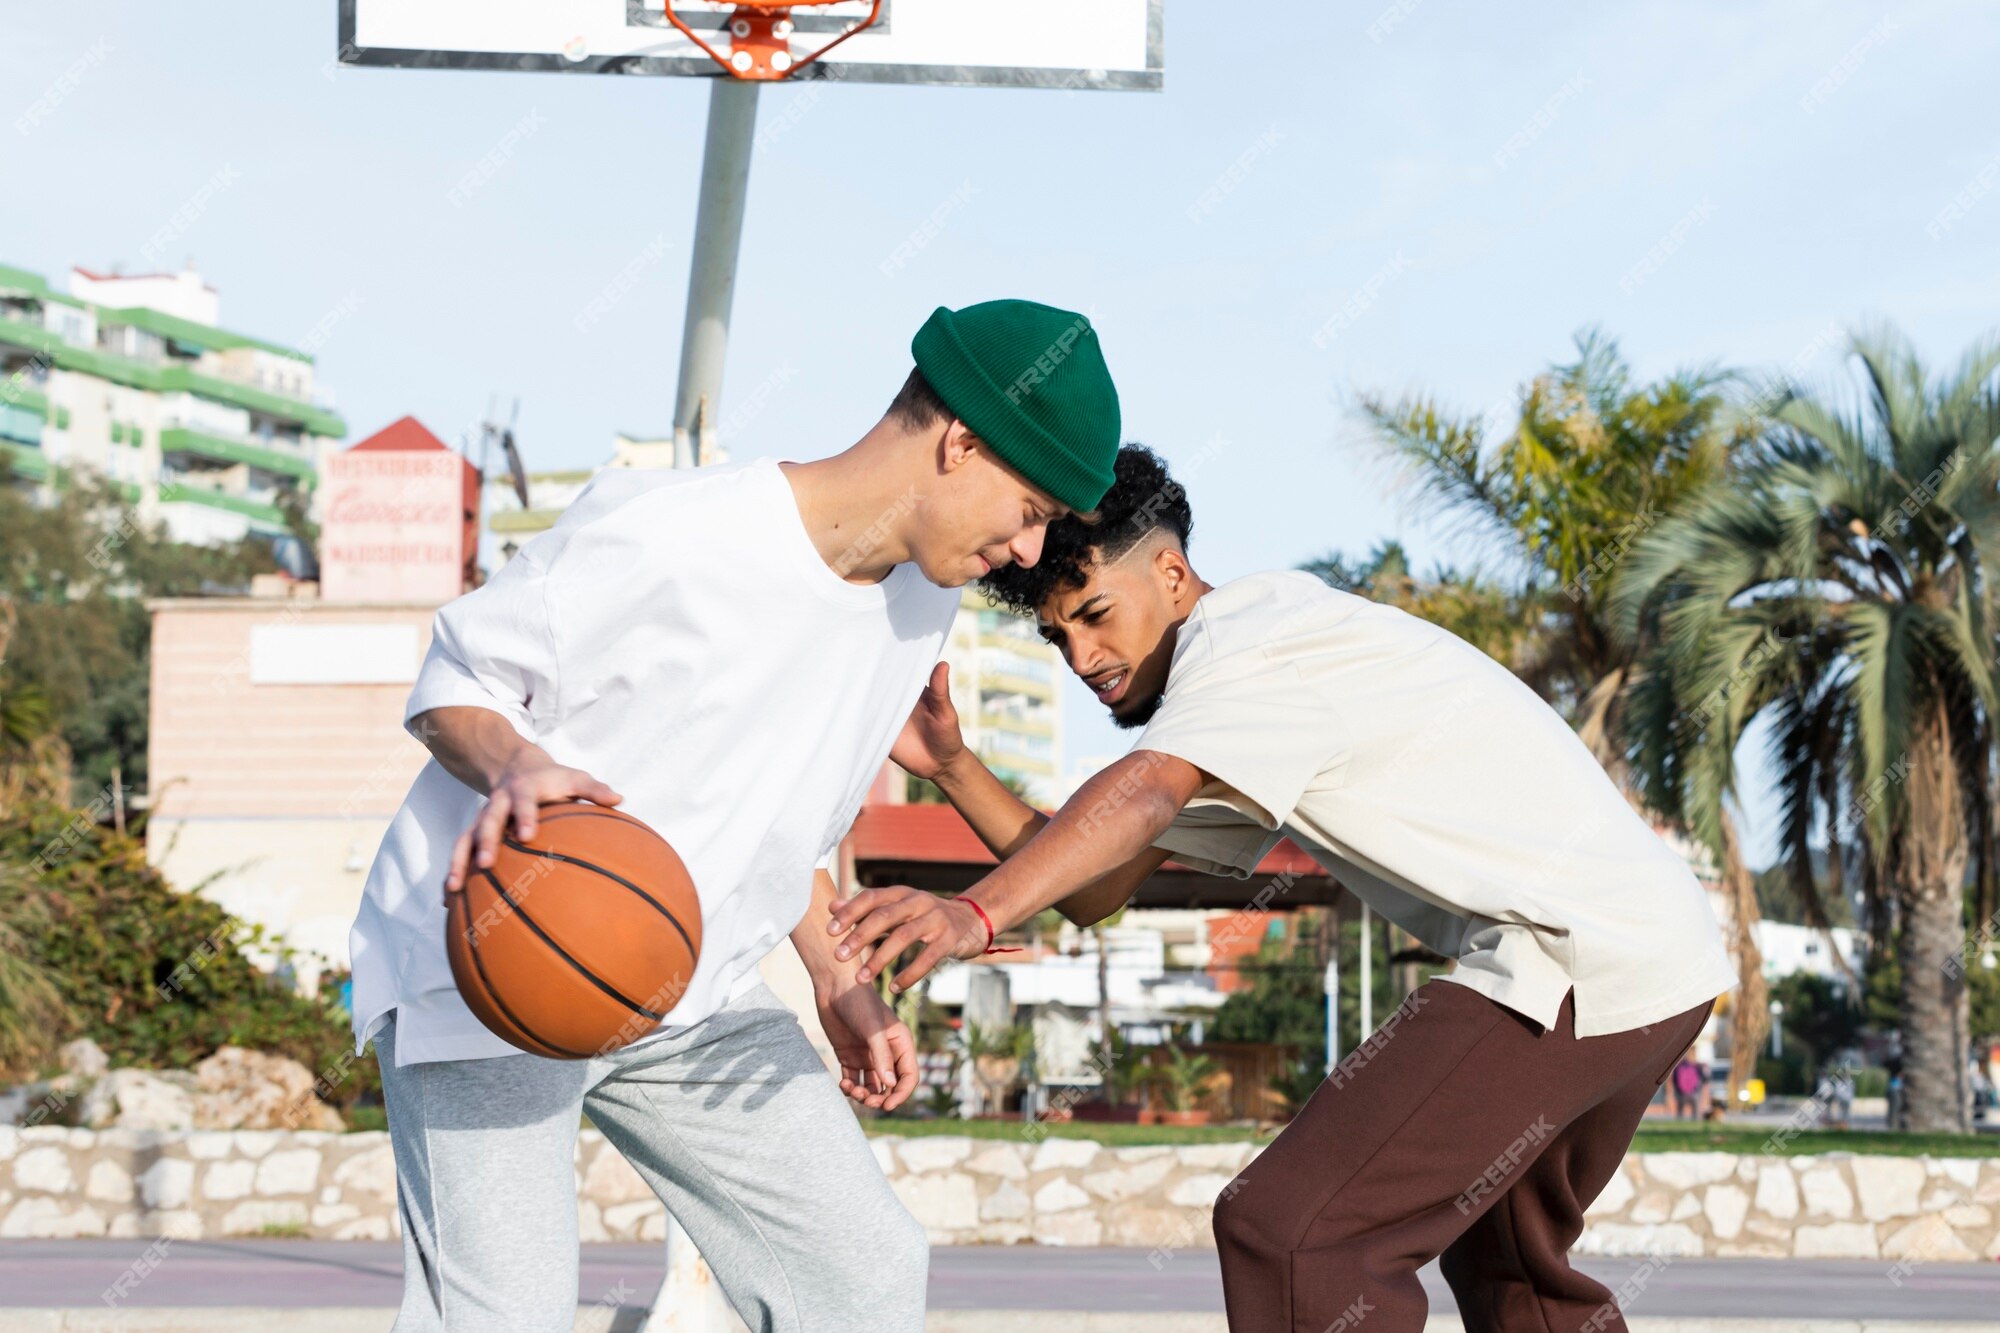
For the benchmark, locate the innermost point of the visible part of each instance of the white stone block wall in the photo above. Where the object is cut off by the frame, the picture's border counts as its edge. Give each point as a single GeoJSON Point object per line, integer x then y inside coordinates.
{"type": "Point", "coordinates": [77, 1182]}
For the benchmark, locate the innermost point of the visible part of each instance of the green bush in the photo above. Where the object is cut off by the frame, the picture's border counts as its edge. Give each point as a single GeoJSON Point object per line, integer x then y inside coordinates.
{"type": "Point", "coordinates": [158, 978]}
{"type": "Point", "coordinates": [1787, 1075]}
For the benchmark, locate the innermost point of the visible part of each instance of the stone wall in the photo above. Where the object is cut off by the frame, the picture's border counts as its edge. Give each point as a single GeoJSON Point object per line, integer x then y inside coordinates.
{"type": "Point", "coordinates": [75, 1182]}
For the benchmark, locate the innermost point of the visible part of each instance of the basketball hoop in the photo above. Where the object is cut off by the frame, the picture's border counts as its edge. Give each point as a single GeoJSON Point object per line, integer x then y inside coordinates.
{"type": "Point", "coordinates": [760, 39]}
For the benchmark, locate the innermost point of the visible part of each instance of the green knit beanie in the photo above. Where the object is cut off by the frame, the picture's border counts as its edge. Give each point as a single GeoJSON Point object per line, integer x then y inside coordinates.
{"type": "Point", "coordinates": [1030, 381]}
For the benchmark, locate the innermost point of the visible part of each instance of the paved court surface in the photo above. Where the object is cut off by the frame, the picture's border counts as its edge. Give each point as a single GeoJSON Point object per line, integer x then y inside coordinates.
{"type": "Point", "coordinates": [308, 1274]}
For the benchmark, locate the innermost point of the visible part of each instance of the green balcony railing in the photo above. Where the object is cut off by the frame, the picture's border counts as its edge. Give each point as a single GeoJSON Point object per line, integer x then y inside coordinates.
{"type": "Point", "coordinates": [29, 462]}
{"type": "Point", "coordinates": [269, 515]}
{"type": "Point", "coordinates": [181, 440]}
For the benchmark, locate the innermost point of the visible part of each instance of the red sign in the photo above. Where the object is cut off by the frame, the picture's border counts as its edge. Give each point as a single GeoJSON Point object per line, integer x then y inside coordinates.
{"type": "Point", "coordinates": [393, 527]}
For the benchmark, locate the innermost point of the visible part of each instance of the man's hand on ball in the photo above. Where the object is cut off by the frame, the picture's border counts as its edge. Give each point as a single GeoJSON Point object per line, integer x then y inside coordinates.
{"type": "Point", "coordinates": [522, 789]}
{"type": "Point", "coordinates": [889, 921]}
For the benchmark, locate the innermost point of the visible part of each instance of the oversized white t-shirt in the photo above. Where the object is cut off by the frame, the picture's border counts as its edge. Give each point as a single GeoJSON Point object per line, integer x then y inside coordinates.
{"type": "Point", "coordinates": [678, 636]}
{"type": "Point", "coordinates": [1443, 791]}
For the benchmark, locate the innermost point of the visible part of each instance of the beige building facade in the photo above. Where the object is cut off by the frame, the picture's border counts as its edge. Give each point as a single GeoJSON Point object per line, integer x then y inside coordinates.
{"type": "Point", "coordinates": [277, 755]}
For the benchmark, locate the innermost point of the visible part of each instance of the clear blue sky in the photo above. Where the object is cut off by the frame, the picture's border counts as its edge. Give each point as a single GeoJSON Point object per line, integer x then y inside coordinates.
{"type": "Point", "coordinates": [1471, 189]}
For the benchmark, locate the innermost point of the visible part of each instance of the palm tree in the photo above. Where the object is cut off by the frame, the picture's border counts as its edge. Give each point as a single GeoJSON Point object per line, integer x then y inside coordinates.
{"type": "Point", "coordinates": [1595, 461]}
{"type": "Point", "coordinates": [1486, 615]}
{"type": "Point", "coordinates": [1837, 586]}
{"type": "Point", "coordinates": [1185, 1079]}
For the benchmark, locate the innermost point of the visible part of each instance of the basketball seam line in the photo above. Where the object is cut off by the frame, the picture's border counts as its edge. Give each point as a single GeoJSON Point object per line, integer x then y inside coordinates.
{"type": "Point", "coordinates": [644, 896]}
{"type": "Point", "coordinates": [479, 966]}
{"type": "Point", "coordinates": [567, 957]}
{"type": "Point", "coordinates": [596, 812]}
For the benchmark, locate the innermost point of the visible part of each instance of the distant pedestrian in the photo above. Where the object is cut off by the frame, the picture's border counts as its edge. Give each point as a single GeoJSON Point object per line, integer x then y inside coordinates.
{"type": "Point", "coordinates": [1896, 1100]}
{"type": "Point", "coordinates": [1687, 1083]}
{"type": "Point", "coordinates": [1836, 1094]}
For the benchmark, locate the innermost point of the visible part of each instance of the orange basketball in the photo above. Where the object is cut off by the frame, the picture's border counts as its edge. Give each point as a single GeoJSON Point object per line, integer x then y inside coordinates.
{"type": "Point", "coordinates": [580, 942]}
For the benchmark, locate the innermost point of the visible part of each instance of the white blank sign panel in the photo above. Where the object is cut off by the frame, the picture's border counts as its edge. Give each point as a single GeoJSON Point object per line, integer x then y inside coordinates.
{"type": "Point", "coordinates": [996, 43]}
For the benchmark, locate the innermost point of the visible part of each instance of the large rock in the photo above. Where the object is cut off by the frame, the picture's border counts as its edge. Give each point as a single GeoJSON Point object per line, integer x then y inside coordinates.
{"type": "Point", "coordinates": [1059, 1196]}
{"type": "Point", "coordinates": [84, 1058]}
{"type": "Point", "coordinates": [611, 1179]}
{"type": "Point", "coordinates": [1685, 1170]}
{"type": "Point", "coordinates": [243, 1089]}
{"type": "Point", "coordinates": [294, 1171]}
{"type": "Point", "coordinates": [136, 1099]}
{"type": "Point", "coordinates": [1006, 1204]}
{"type": "Point", "coordinates": [1198, 1191]}
{"type": "Point", "coordinates": [167, 1183]}
{"type": "Point", "coordinates": [934, 1154]}
{"type": "Point", "coordinates": [1888, 1186]}
{"type": "Point", "coordinates": [1131, 1181]}
{"type": "Point", "coordinates": [1002, 1160]}
{"type": "Point", "coordinates": [1777, 1192]}
{"type": "Point", "coordinates": [1836, 1240]}
{"type": "Point", "coordinates": [943, 1201]}
{"type": "Point", "coordinates": [1928, 1240]}
{"type": "Point", "coordinates": [373, 1173]}
{"type": "Point", "coordinates": [1617, 1192]}
{"type": "Point", "coordinates": [1826, 1194]}
{"type": "Point", "coordinates": [1062, 1154]}
{"type": "Point", "coordinates": [45, 1170]}
{"type": "Point", "coordinates": [1676, 1239]}
{"type": "Point", "coordinates": [108, 1182]}
{"type": "Point", "coordinates": [1726, 1206]}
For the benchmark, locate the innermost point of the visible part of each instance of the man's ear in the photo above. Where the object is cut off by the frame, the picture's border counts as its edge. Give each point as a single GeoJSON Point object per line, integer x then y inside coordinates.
{"type": "Point", "coordinates": [1171, 567]}
{"type": "Point", "coordinates": [956, 446]}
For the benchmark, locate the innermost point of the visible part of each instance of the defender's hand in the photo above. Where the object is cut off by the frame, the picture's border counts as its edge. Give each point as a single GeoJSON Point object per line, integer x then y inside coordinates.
{"type": "Point", "coordinates": [518, 795]}
{"type": "Point", "coordinates": [930, 740]}
{"type": "Point", "coordinates": [888, 921]}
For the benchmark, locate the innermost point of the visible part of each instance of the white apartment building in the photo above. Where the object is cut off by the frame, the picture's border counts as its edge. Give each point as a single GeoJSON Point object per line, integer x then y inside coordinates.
{"type": "Point", "coordinates": [205, 430]}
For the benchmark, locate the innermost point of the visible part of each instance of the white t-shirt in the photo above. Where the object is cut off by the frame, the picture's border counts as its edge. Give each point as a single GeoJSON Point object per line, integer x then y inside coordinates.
{"type": "Point", "coordinates": [677, 636]}
{"type": "Point", "coordinates": [1440, 789]}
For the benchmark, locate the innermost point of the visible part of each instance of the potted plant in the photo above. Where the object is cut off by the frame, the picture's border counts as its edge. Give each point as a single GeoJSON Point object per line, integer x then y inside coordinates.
{"type": "Point", "coordinates": [1183, 1081]}
{"type": "Point", "coordinates": [1125, 1076]}
{"type": "Point", "coordinates": [996, 1056]}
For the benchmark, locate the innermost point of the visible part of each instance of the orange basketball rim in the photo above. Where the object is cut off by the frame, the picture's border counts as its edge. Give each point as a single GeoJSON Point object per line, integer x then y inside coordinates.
{"type": "Point", "coordinates": [760, 39]}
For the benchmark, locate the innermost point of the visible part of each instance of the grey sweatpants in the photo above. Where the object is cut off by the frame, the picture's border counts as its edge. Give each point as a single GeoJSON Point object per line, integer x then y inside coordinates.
{"type": "Point", "coordinates": [735, 1124]}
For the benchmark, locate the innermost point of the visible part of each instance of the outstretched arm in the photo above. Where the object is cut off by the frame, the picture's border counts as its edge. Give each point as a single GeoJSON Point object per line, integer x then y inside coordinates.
{"type": "Point", "coordinates": [932, 747]}
{"type": "Point", "coordinates": [1109, 824]}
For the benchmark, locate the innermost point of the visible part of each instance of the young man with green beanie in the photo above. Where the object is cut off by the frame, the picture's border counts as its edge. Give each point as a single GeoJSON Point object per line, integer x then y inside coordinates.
{"type": "Point", "coordinates": [727, 654]}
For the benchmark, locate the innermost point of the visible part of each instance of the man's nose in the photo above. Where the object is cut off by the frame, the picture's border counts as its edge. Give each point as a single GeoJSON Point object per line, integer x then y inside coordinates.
{"type": "Point", "coordinates": [1027, 547]}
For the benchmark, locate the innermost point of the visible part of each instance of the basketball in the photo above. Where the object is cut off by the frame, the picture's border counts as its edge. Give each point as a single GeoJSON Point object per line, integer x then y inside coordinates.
{"type": "Point", "coordinates": [580, 942]}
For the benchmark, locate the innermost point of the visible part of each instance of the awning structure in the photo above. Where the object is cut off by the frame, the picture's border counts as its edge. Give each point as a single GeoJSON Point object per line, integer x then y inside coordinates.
{"type": "Point", "coordinates": [932, 847]}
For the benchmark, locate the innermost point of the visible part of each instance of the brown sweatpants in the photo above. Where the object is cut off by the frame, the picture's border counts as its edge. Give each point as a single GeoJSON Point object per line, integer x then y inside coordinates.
{"type": "Point", "coordinates": [1459, 1129]}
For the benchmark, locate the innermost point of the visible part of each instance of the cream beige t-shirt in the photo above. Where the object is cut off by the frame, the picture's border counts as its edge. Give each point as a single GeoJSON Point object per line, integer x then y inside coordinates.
{"type": "Point", "coordinates": [1440, 789]}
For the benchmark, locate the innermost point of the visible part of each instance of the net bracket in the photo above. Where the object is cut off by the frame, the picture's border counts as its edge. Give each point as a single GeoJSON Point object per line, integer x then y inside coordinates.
{"type": "Point", "coordinates": [760, 39]}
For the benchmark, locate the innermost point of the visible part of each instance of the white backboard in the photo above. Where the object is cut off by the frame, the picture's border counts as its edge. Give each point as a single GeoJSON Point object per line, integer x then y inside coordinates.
{"type": "Point", "coordinates": [991, 43]}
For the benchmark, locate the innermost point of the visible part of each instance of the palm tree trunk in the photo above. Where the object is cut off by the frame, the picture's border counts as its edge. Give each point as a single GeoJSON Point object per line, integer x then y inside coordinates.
{"type": "Point", "coordinates": [1989, 844]}
{"type": "Point", "coordinates": [1930, 861]}
{"type": "Point", "coordinates": [1750, 1006]}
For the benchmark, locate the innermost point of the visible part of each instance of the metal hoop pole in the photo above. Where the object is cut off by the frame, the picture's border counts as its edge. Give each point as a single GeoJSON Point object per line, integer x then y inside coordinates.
{"type": "Point", "coordinates": [718, 236]}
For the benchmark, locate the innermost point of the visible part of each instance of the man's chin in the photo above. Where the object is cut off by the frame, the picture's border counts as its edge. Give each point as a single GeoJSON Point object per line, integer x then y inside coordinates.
{"type": "Point", "coordinates": [1130, 715]}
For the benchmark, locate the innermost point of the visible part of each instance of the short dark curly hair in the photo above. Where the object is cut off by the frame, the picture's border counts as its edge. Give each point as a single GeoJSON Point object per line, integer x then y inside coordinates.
{"type": "Point", "coordinates": [1143, 499]}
